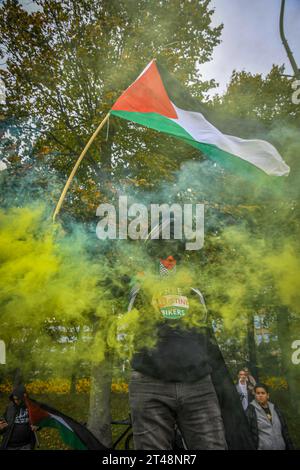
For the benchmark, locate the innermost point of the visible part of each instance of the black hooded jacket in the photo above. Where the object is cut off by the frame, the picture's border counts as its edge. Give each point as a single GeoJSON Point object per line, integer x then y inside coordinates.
{"type": "Point", "coordinates": [252, 418]}
{"type": "Point", "coordinates": [10, 414]}
{"type": "Point", "coordinates": [198, 355]}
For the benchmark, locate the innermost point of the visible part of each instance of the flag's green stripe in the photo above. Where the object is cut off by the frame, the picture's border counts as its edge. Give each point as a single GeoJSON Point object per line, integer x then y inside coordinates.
{"type": "Point", "coordinates": [163, 124]}
{"type": "Point", "coordinates": [69, 437]}
{"type": "Point", "coordinates": [155, 121]}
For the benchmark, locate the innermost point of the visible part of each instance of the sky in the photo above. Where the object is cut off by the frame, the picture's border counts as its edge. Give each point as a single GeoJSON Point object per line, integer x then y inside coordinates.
{"type": "Point", "coordinates": [251, 39]}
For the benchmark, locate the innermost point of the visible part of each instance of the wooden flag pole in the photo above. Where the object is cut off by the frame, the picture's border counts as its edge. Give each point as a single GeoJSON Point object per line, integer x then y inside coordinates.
{"type": "Point", "coordinates": [72, 174]}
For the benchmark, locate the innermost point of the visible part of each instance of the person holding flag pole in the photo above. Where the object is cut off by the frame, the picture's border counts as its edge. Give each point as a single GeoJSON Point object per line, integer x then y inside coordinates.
{"type": "Point", "coordinates": [24, 416]}
{"type": "Point", "coordinates": [18, 430]}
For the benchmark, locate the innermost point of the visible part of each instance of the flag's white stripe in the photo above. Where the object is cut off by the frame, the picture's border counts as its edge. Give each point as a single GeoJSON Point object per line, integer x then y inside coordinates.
{"type": "Point", "coordinates": [61, 420]}
{"type": "Point", "coordinates": [260, 153]}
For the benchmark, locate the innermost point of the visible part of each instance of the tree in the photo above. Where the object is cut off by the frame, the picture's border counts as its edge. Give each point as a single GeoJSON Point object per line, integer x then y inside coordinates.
{"type": "Point", "coordinates": [262, 107]}
{"type": "Point", "coordinates": [69, 61]}
{"type": "Point", "coordinates": [260, 102]}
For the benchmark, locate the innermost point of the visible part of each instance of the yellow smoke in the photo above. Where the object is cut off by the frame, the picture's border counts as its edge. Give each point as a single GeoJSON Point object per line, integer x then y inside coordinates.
{"type": "Point", "coordinates": [56, 309]}
{"type": "Point", "coordinates": [285, 266]}
{"type": "Point", "coordinates": [49, 288]}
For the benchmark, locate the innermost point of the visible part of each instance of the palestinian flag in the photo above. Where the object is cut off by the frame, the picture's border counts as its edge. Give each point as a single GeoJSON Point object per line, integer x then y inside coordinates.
{"type": "Point", "coordinates": [74, 434]}
{"type": "Point", "coordinates": [156, 100]}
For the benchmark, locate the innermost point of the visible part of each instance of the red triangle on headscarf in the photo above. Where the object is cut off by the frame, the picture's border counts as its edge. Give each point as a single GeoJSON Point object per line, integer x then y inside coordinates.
{"type": "Point", "coordinates": [147, 94]}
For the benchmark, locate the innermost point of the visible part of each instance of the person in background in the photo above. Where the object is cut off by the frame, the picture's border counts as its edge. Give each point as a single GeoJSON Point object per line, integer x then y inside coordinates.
{"type": "Point", "coordinates": [243, 389]}
{"type": "Point", "coordinates": [18, 433]}
{"type": "Point", "coordinates": [250, 379]}
{"type": "Point", "coordinates": [267, 423]}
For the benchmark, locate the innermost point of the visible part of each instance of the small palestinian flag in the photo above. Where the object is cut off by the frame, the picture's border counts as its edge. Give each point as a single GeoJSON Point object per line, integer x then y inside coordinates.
{"type": "Point", "coordinates": [74, 434]}
{"type": "Point", "coordinates": [156, 100]}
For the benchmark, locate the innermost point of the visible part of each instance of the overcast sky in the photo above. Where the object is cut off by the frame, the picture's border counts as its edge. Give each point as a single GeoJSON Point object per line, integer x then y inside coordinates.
{"type": "Point", "coordinates": [251, 39]}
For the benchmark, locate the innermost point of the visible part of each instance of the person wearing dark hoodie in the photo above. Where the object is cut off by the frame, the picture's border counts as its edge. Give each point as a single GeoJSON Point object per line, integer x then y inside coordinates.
{"type": "Point", "coordinates": [183, 379]}
{"type": "Point", "coordinates": [18, 433]}
{"type": "Point", "coordinates": [267, 423]}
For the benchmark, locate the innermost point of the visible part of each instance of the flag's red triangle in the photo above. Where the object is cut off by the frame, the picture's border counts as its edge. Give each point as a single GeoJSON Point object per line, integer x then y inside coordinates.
{"type": "Point", "coordinates": [146, 95]}
{"type": "Point", "coordinates": [36, 413]}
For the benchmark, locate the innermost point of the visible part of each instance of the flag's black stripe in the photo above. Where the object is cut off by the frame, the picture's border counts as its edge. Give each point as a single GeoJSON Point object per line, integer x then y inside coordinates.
{"type": "Point", "coordinates": [225, 122]}
{"type": "Point", "coordinates": [178, 94]}
{"type": "Point", "coordinates": [181, 97]}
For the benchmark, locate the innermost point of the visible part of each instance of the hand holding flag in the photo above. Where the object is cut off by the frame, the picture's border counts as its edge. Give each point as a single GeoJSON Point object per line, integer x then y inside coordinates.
{"type": "Point", "coordinates": [74, 434]}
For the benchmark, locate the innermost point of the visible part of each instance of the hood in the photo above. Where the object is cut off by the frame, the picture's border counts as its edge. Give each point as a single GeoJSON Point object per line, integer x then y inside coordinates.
{"type": "Point", "coordinates": [259, 408]}
{"type": "Point", "coordinates": [18, 392]}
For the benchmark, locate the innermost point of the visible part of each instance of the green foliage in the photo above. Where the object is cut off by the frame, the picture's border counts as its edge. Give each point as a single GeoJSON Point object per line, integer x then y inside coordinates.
{"type": "Point", "coordinates": [68, 62]}
{"type": "Point", "coordinates": [264, 100]}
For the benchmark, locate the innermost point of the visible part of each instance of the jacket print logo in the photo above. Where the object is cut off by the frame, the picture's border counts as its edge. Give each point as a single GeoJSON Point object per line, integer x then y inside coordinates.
{"type": "Point", "coordinates": [22, 417]}
{"type": "Point", "coordinates": [173, 306]}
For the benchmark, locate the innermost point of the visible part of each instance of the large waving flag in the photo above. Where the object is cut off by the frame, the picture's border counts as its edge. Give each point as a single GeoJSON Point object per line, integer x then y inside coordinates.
{"type": "Point", "coordinates": [157, 100]}
{"type": "Point", "coordinates": [74, 434]}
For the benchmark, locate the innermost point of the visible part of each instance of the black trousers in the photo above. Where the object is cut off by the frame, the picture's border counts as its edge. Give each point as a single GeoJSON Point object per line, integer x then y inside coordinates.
{"type": "Point", "coordinates": [157, 405]}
